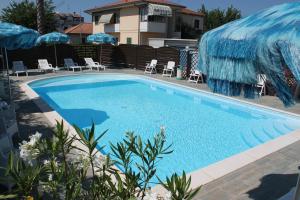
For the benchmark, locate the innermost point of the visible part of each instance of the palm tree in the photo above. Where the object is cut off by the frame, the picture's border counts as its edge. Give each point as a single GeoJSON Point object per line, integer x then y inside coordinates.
{"type": "Point", "coordinates": [40, 16]}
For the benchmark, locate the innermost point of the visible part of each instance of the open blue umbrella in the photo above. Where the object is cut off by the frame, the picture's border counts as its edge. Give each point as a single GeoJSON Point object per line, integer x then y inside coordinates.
{"type": "Point", "coordinates": [53, 38]}
{"type": "Point", "coordinates": [102, 38]}
{"type": "Point", "coordinates": [264, 43]}
{"type": "Point", "coordinates": [13, 36]}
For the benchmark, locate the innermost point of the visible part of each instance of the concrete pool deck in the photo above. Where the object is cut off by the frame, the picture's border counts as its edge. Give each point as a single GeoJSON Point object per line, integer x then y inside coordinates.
{"type": "Point", "coordinates": [238, 185]}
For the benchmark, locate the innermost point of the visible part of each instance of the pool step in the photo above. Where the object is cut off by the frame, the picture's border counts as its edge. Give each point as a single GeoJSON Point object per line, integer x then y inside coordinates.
{"type": "Point", "coordinates": [262, 133]}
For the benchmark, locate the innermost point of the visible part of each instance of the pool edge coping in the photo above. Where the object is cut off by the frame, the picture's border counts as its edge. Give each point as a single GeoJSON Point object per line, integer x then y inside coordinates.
{"type": "Point", "coordinates": [201, 176]}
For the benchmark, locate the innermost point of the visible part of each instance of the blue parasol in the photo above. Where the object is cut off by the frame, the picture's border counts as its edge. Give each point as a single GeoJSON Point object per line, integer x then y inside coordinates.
{"type": "Point", "coordinates": [102, 38]}
{"type": "Point", "coordinates": [13, 36]}
{"type": "Point", "coordinates": [53, 38]}
{"type": "Point", "coordinates": [264, 43]}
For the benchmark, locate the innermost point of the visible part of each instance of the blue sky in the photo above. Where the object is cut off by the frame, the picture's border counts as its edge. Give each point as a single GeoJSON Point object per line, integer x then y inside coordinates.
{"type": "Point", "coordinates": [246, 6]}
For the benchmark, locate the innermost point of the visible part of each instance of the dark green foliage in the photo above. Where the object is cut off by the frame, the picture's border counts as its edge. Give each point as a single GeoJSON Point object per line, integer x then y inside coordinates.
{"type": "Point", "coordinates": [180, 187]}
{"type": "Point", "coordinates": [59, 172]}
{"type": "Point", "coordinates": [217, 17]}
{"type": "Point", "coordinates": [25, 13]}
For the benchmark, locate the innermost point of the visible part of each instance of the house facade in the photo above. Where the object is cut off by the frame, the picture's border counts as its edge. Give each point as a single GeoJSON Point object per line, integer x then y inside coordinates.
{"type": "Point", "coordinates": [136, 21]}
{"type": "Point", "coordinates": [78, 34]}
{"type": "Point", "coordinates": [67, 20]}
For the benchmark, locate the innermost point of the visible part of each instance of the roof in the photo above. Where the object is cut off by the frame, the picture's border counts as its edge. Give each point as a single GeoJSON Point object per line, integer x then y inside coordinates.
{"type": "Point", "coordinates": [122, 3]}
{"type": "Point", "coordinates": [187, 11]}
{"type": "Point", "coordinates": [83, 28]}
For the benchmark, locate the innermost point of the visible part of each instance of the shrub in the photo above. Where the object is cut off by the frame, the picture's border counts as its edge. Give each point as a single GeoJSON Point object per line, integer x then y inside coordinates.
{"type": "Point", "coordinates": [59, 168]}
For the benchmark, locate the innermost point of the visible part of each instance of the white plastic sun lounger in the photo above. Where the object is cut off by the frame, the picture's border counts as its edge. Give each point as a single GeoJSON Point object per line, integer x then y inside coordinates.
{"type": "Point", "coordinates": [151, 67]}
{"type": "Point", "coordinates": [196, 76]}
{"type": "Point", "coordinates": [45, 66]}
{"type": "Point", "coordinates": [19, 68]}
{"type": "Point", "coordinates": [71, 65]}
{"type": "Point", "coordinates": [91, 64]}
{"type": "Point", "coordinates": [169, 69]}
{"type": "Point", "coordinates": [261, 84]}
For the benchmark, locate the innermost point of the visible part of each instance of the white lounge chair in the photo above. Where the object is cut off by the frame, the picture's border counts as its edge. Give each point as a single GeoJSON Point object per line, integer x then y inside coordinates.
{"type": "Point", "coordinates": [196, 76]}
{"type": "Point", "coordinates": [169, 69]}
{"type": "Point", "coordinates": [261, 84]}
{"type": "Point", "coordinates": [19, 68]}
{"type": "Point", "coordinates": [45, 66]}
{"type": "Point", "coordinates": [71, 65]}
{"type": "Point", "coordinates": [91, 64]}
{"type": "Point", "coordinates": [151, 67]}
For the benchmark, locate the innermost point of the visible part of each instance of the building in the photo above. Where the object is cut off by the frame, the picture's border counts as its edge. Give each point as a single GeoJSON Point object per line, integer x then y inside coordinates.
{"type": "Point", "coordinates": [79, 33]}
{"type": "Point", "coordinates": [135, 21]}
{"type": "Point", "coordinates": [67, 20]}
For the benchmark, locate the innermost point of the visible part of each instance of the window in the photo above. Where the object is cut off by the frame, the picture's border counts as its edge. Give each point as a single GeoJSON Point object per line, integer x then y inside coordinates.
{"type": "Point", "coordinates": [178, 24]}
{"type": "Point", "coordinates": [116, 18]}
{"type": "Point", "coordinates": [156, 18]}
{"type": "Point", "coordinates": [83, 40]}
{"type": "Point", "coordinates": [129, 40]}
{"type": "Point", "coordinates": [197, 24]}
{"type": "Point", "coordinates": [144, 14]}
{"type": "Point", "coordinates": [96, 18]}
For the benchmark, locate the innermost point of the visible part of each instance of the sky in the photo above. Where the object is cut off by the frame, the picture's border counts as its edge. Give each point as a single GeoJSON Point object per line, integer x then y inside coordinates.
{"type": "Point", "coordinates": [246, 6]}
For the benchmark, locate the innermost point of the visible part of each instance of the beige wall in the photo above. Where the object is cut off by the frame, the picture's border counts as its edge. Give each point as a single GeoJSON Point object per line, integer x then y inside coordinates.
{"type": "Point", "coordinates": [146, 36]}
{"type": "Point", "coordinates": [99, 28]}
{"type": "Point", "coordinates": [129, 25]}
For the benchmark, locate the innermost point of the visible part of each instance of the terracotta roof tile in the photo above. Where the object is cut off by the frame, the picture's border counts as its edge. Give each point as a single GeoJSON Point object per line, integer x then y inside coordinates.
{"type": "Point", "coordinates": [124, 2]}
{"type": "Point", "coordinates": [84, 28]}
{"type": "Point", "coordinates": [191, 12]}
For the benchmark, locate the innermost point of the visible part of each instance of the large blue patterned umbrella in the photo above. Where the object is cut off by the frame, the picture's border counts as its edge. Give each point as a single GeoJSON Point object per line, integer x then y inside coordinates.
{"type": "Point", "coordinates": [102, 38]}
{"type": "Point", "coordinates": [53, 38]}
{"type": "Point", "coordinates": [13, 36]}
{"type": "Point", "coordinates": [264, 43]}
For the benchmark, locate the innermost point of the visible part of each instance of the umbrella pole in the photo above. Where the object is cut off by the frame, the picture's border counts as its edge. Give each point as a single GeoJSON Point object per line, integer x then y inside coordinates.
{"type": "Point", "coordinates": [55, 55]}
{"type": "Point", "coordinates": [7, 68]}
{"type": "Point", "coordinates": [101, 54]}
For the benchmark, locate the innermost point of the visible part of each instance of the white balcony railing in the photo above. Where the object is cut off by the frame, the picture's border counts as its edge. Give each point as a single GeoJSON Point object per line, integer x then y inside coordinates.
{"type": "Point", "coordinates": [112, 28]}
{"type": "Point", "coordinates": [153, 27]}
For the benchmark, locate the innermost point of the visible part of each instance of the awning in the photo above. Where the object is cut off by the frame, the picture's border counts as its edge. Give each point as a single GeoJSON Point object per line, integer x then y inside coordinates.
{"type": "Point", "coordinates": [159, 10]}
{"type": "Point", "coordinates": [106, 18]}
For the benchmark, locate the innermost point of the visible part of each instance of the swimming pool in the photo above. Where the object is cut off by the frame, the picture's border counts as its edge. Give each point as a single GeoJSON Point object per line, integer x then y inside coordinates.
{"type": "Point", "coordinates": [203, 128]}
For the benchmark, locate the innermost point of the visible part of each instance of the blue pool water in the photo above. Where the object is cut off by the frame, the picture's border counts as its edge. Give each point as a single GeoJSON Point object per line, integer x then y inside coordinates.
{"type": "Point", "coordinates": [203, 128]}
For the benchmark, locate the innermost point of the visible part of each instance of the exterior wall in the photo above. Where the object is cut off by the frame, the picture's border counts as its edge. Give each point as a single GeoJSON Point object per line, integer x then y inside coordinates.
{"type": "Point", "coordinates": [76, 39]}
{"type": "Point", "coordinates": [97, 28]}
{"type": "Point", "coordinates": [129, 25]}
{"type": "Point", "coordinates": [190, 20]}
{"type": "Point", "coordinates": [145, 37]}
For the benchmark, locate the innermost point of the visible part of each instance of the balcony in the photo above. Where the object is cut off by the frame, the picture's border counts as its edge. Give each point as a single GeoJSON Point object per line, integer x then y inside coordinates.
{"type": "Point", "coordinates": [112, 28]}
{"type": "Point", "coordinates": [153, 27]}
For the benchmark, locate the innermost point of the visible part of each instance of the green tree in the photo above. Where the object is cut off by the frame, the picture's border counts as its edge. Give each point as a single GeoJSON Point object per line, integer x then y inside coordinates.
{"type": "Point", "coordinates": [25, 13]}
{"type": "Point", "coordinates": [217, 17]}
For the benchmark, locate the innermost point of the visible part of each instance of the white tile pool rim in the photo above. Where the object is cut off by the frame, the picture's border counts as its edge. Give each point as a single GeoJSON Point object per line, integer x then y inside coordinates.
{"type": "Point", "coordinates": [201, 176]}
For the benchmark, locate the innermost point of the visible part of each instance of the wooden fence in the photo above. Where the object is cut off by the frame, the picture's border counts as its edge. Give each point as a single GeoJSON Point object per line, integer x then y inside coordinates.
{"type": "Point", "coordinates": [122, 56]}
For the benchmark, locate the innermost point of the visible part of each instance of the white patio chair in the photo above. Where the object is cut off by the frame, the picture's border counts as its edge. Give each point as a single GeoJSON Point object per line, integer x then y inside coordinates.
{"type": "Point", "coordinates": [71, 65]}
{"type": "Point", "coordinates": [151, 67]}
{"type": "Point", "coordinates": [91, 64]}
{"type": "Point", "coordinates": [196, 76]}
{"type": "Point", "coordinates": [45, 66]}
{"type": "Point", "coordinates": [19, 68]}
{"type": "Point", "coordinates": [169, 69]}
{"type": "Point", "coordinates": [261, 84]}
